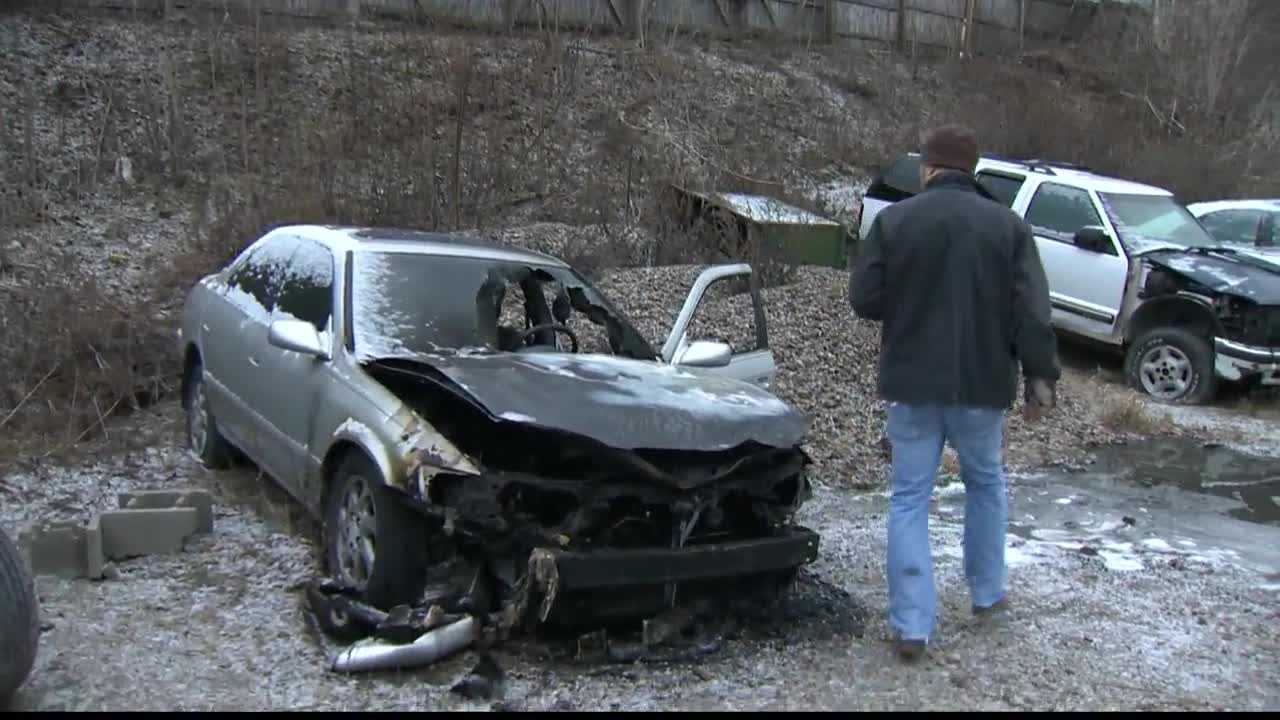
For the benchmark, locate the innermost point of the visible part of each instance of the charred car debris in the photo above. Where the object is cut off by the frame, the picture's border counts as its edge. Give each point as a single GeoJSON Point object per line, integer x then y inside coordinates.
{"type": "Point", "coordinates": [474, 478]}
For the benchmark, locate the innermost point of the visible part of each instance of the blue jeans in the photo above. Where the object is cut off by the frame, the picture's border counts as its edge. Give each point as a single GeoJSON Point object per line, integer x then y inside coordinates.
{"type": "Point", "coordinates": [917, 434]}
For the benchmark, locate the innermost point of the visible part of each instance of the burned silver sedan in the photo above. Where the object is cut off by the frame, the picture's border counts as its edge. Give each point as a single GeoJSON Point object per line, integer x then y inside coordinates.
{"type": "Point", "coordinates": [433, 401]}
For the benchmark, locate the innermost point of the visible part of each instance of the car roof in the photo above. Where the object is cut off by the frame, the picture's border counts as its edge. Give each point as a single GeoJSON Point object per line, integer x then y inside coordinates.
{"type": "Point", "coordinates": [344, 238]}
{"type": "Point", "coordinates": [1070, 175]}
{"type": "Point", "coordinates": [1203, 208]}
{"type": "Point", "coordinates": [1064, 173]}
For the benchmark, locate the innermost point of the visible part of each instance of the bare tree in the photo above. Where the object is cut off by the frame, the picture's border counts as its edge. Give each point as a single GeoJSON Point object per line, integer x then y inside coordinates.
{"type": "Point", "coordinates": [1205, 43]}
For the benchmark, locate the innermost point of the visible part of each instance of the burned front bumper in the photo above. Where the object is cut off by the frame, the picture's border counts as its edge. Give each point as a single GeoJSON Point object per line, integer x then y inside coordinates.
{"type": "Point", "coordinates": [1237, 361]}
{"type": "Point", "coordinates": [621, 568]}
{"type": "Point", "coordinates": [640, 580]}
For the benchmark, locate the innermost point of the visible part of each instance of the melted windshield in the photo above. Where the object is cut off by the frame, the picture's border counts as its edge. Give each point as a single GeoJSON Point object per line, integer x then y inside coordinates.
{"type": "Point", "coordinates": [1146, 222]}
{"type": "Point", "coordinates": [412, 303]}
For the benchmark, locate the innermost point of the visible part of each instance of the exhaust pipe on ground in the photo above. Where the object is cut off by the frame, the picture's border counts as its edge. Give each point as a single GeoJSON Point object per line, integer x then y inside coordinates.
{"type": "Point", "coordinates": [367, 656]}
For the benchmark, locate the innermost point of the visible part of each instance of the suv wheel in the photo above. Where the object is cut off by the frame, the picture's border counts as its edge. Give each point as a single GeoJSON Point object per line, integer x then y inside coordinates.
{"type": "Point", "coordinates": [374, 543]}
{"type": "Point", "coordinates": [1172, 365]}
{"type": "Point", "coordinates": [203, 436]}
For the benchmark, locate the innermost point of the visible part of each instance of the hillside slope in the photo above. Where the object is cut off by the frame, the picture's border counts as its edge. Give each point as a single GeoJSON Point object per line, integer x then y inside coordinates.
{"type": "Point", "coordinates": [136, 155]}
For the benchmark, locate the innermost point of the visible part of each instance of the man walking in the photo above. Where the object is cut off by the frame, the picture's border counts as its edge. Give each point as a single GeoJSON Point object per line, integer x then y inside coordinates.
{"type": "Point", "coordinates": [956, 281]}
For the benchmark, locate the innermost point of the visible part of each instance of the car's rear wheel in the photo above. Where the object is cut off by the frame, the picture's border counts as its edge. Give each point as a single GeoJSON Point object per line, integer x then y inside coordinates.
{"type": "Point", "coordinates": [1172, 365]}
{"type": "Point", "coordinates": [374, 542]}
{"type": "Point", "coordinates": [203, 436]}
{"type": "Point", "coordinates": [19, 620]}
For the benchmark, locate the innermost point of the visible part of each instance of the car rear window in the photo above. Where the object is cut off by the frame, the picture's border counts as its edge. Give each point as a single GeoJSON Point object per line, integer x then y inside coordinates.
{"type": "Point", "coordinates": [899, 181]}
{"type": "Point", "coordinates": [1004, 188]}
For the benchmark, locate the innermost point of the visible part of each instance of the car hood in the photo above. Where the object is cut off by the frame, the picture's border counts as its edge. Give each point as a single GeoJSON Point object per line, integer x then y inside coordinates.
{"type": "Point", "coordinates": [1243, 275]}
{"type": "Point", "coordinates": [625, 404]}
{"type": "Point", "coordinates": [1268, 255]}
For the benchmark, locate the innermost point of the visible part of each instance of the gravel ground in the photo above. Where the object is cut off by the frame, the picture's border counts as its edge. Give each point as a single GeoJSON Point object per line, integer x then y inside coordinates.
{"type": "Point", "coordinates": [220, 626]}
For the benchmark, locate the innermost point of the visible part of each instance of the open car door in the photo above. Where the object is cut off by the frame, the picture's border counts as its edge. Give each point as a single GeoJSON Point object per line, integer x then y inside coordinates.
{"type": "Point", "coordinates": [735, 339]}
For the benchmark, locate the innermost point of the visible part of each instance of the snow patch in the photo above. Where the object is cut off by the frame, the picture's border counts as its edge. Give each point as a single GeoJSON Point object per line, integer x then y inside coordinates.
{"type": "Point", "coordinates": [1255, 436]}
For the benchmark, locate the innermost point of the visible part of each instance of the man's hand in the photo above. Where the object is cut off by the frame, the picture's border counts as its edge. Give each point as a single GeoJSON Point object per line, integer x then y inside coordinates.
{"type": "Point", "coordinates": [1041, 397]}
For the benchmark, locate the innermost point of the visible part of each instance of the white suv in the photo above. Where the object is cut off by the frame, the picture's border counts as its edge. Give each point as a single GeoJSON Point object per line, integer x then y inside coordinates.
{"type": "Point", "coordinates": [1129, 267]}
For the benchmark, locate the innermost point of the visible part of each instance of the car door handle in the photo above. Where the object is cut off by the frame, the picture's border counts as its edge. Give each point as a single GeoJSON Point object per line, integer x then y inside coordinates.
{"type": "Point", "coordinates": [253, 361]}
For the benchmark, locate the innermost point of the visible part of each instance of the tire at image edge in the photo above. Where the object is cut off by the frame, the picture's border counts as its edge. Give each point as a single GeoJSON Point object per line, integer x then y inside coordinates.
{"type": "Point", "coordinates": [19, 620]}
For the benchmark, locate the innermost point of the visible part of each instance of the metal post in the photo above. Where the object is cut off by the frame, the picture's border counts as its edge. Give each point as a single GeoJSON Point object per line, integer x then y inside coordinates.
{"type": "Point", "coordinates": [966, 32]}
{"type": "Point", "coordinates": [1022, 26]}
{"type": "Point", "coordinates": [902, 25]}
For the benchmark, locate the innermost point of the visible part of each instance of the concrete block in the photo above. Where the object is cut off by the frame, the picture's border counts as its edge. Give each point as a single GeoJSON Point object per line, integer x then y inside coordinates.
{"type": "Point", "coordinates": [131, 533]}
{"type": "Point", "coordinates": [93, 559]}
{"type": "Point", "coordinates": [65, 549]}
{"type": "Point", "coordinates": [201, 500]}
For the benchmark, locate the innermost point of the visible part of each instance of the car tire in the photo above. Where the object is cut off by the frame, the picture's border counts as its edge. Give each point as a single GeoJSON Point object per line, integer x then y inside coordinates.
{"type": "Point", "coordinates": [1172, 365]}
{"type": "Point", "coordinates": [203, 436]}
{"type": "Point", "coordinates": [364, 518]}
{"type": "Point", "coordinates": [19, 620]}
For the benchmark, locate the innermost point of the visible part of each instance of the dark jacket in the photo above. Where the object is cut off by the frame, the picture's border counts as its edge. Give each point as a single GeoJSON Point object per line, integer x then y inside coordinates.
{"type": "Point", "coordinates": [956, 281]}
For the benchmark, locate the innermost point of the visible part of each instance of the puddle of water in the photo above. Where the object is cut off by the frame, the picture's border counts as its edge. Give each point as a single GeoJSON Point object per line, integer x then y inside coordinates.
{"type": "Point", "coordinates": [1212, 470]}
{"type": "Point", "coordinates": [1159, 500]}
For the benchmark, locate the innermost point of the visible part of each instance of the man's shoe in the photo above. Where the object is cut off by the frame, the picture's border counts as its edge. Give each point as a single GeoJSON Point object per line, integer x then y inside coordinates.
{"type": "Point", "coordinates": [910, 650]}
{"type": "Point", "coordinates": [1001, 606]}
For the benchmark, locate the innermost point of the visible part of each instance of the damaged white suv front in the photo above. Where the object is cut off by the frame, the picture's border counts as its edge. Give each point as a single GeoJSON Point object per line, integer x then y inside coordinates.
{"type": "Point", "coordinates": [1131, 269]}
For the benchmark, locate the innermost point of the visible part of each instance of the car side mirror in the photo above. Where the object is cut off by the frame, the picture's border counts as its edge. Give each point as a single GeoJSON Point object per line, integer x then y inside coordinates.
{"type": "Point", "coordinates": [705, 354]}
{"type": "Point", "coordinates": [297, 336]}
{"type": "Point", "coordinates": [1092, 238]}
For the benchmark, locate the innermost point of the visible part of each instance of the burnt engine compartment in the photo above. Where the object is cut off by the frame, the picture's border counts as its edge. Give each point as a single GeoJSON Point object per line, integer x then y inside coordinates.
{"type": "Point", "coordinates": [543, 488]}
{"type": "Point", "coordinates": [1249, 323]}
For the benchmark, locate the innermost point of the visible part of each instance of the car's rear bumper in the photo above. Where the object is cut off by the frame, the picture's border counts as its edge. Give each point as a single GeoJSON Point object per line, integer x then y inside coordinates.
{"type": "Point", "coordinates": [1236, 361]}
{"type": "Point", "coordinates": [623, 568]}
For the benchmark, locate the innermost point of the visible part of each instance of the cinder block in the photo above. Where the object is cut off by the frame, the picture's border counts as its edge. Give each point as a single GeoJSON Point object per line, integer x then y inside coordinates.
{"type": "Point", "coordinates": [201, 500]}
{"type": "Point", "coordinates": [93, 559]}
{"type": "Point", "coordinates": [64, 549]}
{"type": "Point", "coordinates": [131, 533]}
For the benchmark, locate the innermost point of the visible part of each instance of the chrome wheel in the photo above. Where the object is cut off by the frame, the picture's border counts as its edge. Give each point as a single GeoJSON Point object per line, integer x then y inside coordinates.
{"type": "Point", "coordinates": [198, 419]}
{"type": "Point", "coordinates": [1166, 372]}
{"type": "Point", "coordinates": [357, 532]}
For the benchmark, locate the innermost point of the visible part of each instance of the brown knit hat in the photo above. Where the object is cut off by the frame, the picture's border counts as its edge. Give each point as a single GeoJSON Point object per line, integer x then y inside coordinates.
{"type": "Point", "coordinates": [951, 146]}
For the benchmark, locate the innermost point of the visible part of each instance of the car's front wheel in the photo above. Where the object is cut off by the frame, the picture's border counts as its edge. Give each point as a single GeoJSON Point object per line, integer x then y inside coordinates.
{"type": "Point", "coordinates": [374, 542]}
{"type": "Point", "coordinates": [1172, 365]}
{"type": "Point", "coordinates": [203, 436]}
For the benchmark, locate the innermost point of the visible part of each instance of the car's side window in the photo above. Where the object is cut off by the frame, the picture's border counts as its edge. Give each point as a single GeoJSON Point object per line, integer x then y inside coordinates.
{"type": "Point", "coordinates": [1003, 186]}
{"type": "Point", "coordinates": [1058, 212]}
{"type": "Point", "coordinates": [258, 277]}
{"type": "Point", "coordinates": [306, 291]}
{"type": "Point", "coordinates": [1237, 227]}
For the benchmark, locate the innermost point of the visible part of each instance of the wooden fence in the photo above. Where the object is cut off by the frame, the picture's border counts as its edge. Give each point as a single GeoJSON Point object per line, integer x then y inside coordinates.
{"type": "Point", "coordinates": [980, 26]}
